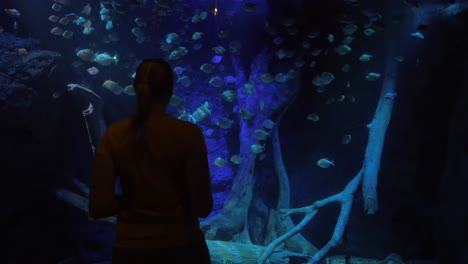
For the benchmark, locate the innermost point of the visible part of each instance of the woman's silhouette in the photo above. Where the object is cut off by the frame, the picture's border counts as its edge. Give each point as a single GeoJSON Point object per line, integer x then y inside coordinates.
{"type": "Point", "coordinates": [164, 175]}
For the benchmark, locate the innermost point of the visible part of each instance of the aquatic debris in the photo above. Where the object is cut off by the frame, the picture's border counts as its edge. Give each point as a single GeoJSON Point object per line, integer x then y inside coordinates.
{"type": "Point", "coordinates": [267, 77]}
{"type": "Point", "coordinates": [343, 49]}
{"type": "Point", "coordinates": [417, 35]}
{"type": "Point", "coordinates": [349, 29]}
{"type": "Point", "coordinates": [229, 95]}
{"type": "Point", "coordinates": [201, 113]}
{"type": "Point", "coordinates": [216, 81]}
{"type": "Point", "coordinates": [236, 159]}
{"type": "Point", "coordinates": [325, 78]}
{"type": "Point", "coordinates": [225, 123]}
{"type": "Point", "coordinates": [257, 148]}
{"type": "Point", "coordinates": [129, 90]}
{"type": "Point", "coordinates": [346, 139]}
{"type": "Point", "coordinates": [365, 57]}
{"type": "Point", "coordinates": [268, 124]}
{"type": "Point", "coordinates": [207, 68]}
{"type": "Point", "coordinates": [112, 86]}
{"type": "Point", "coordinates": [260, 134]}
{"type": "Point", "coordinates": [93, 71]}
{"type": "Point", "coordinates": [220, 162]}
{"type": "Point", "coordinates": [372, 76]}
{"type": "Point", "coordinates": [325, 163]}
{"type": "Point", "coordinates": [313, 117]}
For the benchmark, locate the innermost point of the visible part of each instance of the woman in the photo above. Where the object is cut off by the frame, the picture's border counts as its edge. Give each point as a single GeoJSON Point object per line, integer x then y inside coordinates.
{"type": "Point", "coordinates": [164, 175]}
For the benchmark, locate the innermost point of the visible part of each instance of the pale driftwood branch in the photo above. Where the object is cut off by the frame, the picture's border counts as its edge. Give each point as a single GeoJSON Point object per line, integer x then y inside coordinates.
{"type": "Point", "coordinates": [345, 198]}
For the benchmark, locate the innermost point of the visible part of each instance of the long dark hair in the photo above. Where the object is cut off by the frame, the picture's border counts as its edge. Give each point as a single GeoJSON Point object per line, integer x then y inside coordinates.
{"type": "Point", "coordinates": [154, 84]}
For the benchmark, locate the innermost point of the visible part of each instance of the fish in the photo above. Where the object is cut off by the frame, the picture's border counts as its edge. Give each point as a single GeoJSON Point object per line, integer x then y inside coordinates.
{"type": "Point", "coordinates": [67, 34]}
{"type": "Point", "coordinates": [368, 32]}
{"type": "Point", "coordinates": [365, 57]}
{"type": "Point", "coordinates": [325, 78]}
{"type": "Point", "coordinates": [197, 35]}
{"type": "Point", "coordinates": [250, 7]}
{"type": "Point", "coordinates": [245, 114]}
{"type": "Point", "coordinates": [346, 139]}
{"type": "Point", "coordinates": [268, 124]}
{"type": "Point", "coordinates": [56, 7]}
{"type": "Point", "coordinates": [113, 87]}
{"type": "Point", "coordinates": [93, 71]}
{"type": "Point", "coordinates": [54, 18]}
{"type": "Point", "coordinates": [372, 76]}
{"type": "Point", "coordinates": [248, 88]}
{"type": "Point", "coordinates": [86, 54]}
{"type": "Point", "coordinates": [281, 77]}
{"type": "Point", "coordinates": [86, 10]}
{"type": "Point", "coordinates": [175, 100]}
{"type": "Point", "coordinates": [325, 163]}
{"type": "Point", "coordinates": [229, 95]}
{"type": "Point", "coordinates": [260, 134]}
{"type": "Point", "coordinates": [257, 148]}
{"type": "Point", "coordinates": [267, 77]}
{"type": "Point", "coordinates": [56, 31]}
{"type": "Point", "coordinates": [217, 59]}
{"type": "Point", "coordinates": [129, 90]}
{"type": "Point", "coordinates": [417, 35]}
{"type": "Point", "coordinates": [313, 117]}
{"type": "Point", "coordinates": [140, 22]}
{"type": "Point", "coordinates": [105, 59]}
{"type": "Point", "coordinates": [236, 159]}
{"type": "Point", "coordinates": [88, 30]}
{"type": "Point", "coordinates": [207, 68]}
{"type": "Point", "coordinates": [220, 162]}
{"type": "Point", "coordinates": [14, 13]}
{"type": "Point", "coordinates": [343, 49]}
{"type": "Point", "coordinates": [216, 81]}
{"type": "Point", "coordinates": [349, 29]}
{"type": "Point", "coordinates": [22, 51]}
{"type": "Point", "coordinates": [184, 80]}
{"type": "Point", "coordinates": [225, 123]}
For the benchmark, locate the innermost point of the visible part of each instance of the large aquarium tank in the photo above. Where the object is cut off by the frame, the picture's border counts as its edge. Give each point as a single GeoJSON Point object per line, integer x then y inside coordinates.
{"type": "Point", "coordinates": [336, 130]}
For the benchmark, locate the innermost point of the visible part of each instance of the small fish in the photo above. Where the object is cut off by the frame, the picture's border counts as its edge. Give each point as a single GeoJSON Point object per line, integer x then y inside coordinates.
{"type": "Point", "coordinates": [12, 12]}
{"type": "Point", "coordinates": [216, 81]}
{"type": "Point", "coordinates": [105, 59]}
{"type": "Point", "coordinates": [343, 49]}
{"type": "Point", "coordinates": [129, 90]}
{"type": "Point", "coordinates": [140, 22]}
{"type": "Point", "coordinates": [220, 162]}
{"type": "Point", "coordinates": [368, 32]}
{"type": "Point", "coordinates": [86, 10]}
{"type": "Point", "coordinates": [257, 148]}
{"type": "Point", "coordinates": [260, 134]}
{"type": "Point", "coordinates": [175, 100]}
{"type": "Point", "coordinates": [22, 51]}
{"type": "Point", "coordinates": [417, 35]}
{"type": "Point", "coordinates": [250, 7]}
{"type": "Point", "coordinates": [93, 71]}
{"type": "Point", "coordinates": [217, 59]}
{"type": "Point", "coordinates": [313, 117]}
{"type": "Point", "coordinates": [245, 114]}
{"type": "Point", "coordinates": [346, 139]}
{"type": "Point", "coordinates": [197, 35]}
{"type": "Point", "coordinates": [225, 123]}
{"type": "Point", "coordinates": [56, 7]}
{"type": "Point", "coordinates": [229, 95]}
{"type": "Point", "coordinates": [236, 159]}
{"type": "Point", "coordinates": [88, 30]}
{"type": "Point", "coordinates": [365, 57]}
{"type": "Point", "coordinates": [330, 38]}
{"type": "Point", "coordinates": [67, 34]}
{"type": "Point", "coordinates": [57, 31]}
{"type": "Point", "coordinates": [325, 163]}
{"type": "Point", "coordinates": [400, 58]}
{"type": "Point", "coordinates": [268, 124]}
{"type": "Point", "coordinates": [54, 18]}
{"type": "Point", "coordinates": [372, 76]}
{"type": "Point", "coordinates": [86, 54]}
{"type": "Point", "coordinates": [113, 87]}
{"type": "Point", "coordinates": [248, 88]}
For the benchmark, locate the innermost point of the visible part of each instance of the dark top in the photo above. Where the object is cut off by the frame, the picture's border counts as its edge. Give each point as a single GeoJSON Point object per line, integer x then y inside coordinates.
{"type": "Point", "coordinates": [164, 195]}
